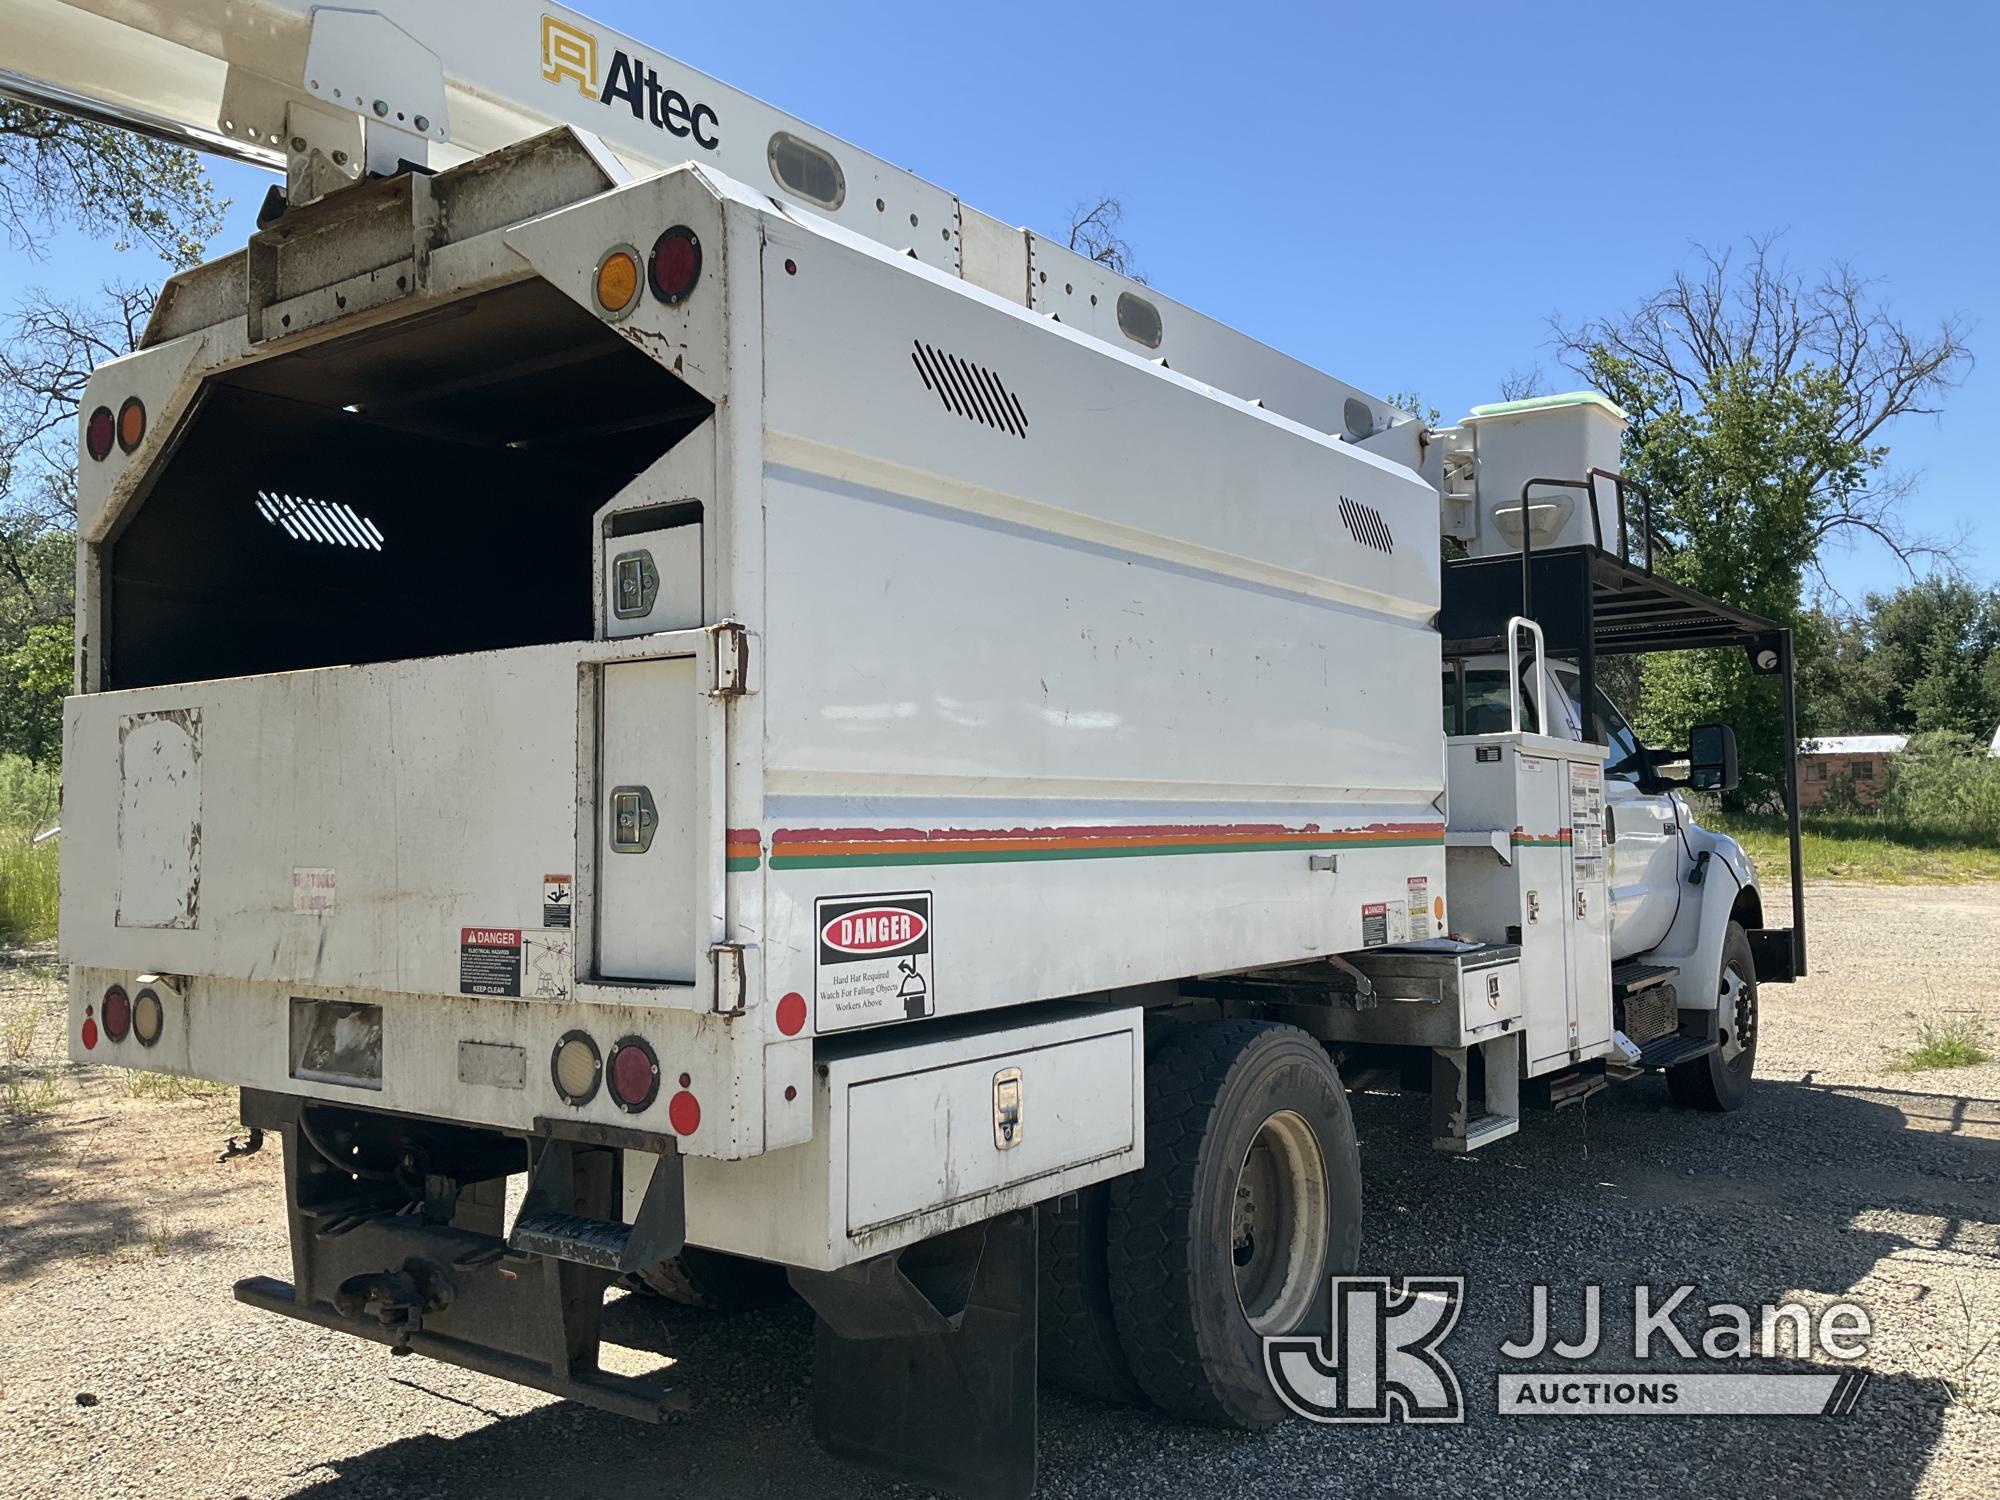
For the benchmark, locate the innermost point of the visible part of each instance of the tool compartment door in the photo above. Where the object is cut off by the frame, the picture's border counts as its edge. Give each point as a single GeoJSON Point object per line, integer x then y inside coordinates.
{"type": "Point", "coordinates": [647, 825]}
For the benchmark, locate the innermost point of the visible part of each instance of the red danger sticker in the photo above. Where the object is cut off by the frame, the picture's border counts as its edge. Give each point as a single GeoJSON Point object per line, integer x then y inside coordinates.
{"type": "Point", "coordinates": [874, 929]}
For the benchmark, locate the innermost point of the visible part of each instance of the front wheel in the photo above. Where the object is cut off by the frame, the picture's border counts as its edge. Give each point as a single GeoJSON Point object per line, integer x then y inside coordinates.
{"type": "Point", "coordinates": [1720, 1081]}
{"type": "Point", "coordinates": [1249, 1202]}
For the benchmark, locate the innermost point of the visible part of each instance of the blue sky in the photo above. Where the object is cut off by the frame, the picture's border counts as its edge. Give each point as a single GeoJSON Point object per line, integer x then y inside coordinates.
{"type": "Point", "coordinates": [1405, 198]}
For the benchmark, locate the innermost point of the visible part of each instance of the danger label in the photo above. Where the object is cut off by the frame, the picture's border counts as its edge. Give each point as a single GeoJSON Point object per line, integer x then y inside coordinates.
{"type": "Point", "coordinates": [489, 961]}
{"type": "Point", "coordinates": [871, 960]}
{"type": "Point", "coordinates": [1374, 924]}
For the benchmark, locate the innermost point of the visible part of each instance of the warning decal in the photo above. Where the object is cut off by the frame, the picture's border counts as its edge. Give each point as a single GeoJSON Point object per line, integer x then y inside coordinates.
{"type": "Point", "coordinates": [558, 896]}
{"type": "Point", "coordinates": [871, 959]}
{"type": "Point", "coordinates": [548, 963]}
{"type": "Point", "coordinates": [1420, 908]}
{"type": "Point", "coordinates": [1374, 924]}
{"type": "Point", "coordinates": [489, 961]}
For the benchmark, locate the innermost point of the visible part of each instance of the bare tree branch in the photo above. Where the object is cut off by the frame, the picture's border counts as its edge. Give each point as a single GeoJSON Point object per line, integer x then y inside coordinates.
{"type": "Point", "coordinates": [1093, 232]}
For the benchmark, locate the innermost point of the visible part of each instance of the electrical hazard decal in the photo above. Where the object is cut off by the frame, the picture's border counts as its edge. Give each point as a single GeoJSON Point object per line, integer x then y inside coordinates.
{"type": "Point", "coordinates": [871, 960]}
{"type": "Point", "coordinates": [489, 961]}
{"type": "Point", "coordinates": [530, 964]}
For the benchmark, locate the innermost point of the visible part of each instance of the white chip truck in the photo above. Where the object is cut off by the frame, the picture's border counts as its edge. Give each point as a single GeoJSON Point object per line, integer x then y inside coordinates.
{"type": "Point", "coordinates": [627, 646]}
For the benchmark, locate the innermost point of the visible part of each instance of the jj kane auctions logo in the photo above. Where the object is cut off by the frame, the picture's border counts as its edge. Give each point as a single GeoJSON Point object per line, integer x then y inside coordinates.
{"type": "Point", "coordinates": [570, 55]}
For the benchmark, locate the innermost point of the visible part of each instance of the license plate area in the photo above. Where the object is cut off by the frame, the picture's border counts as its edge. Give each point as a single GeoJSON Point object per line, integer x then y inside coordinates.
{"type": "Point", "coordinates": [337, 1042]}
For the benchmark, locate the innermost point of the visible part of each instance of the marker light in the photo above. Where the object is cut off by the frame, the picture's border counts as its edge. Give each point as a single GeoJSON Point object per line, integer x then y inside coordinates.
{"type": "Point", "coordinates": [117, 1013]}
{"type": "Point", "coordinates": [634, 1075]}
{"type": "Point", "coordinates": [131, 423]}
{"type": "Point", "coordinates": [100, 433]}
{"type": "Point", "coordinates": [149, 1017]}
{"type": "Point", "coordinates": [676, 264]}
{"type": "Point", "coordinates": [577, 1068]}
{"type": "Point", "coordinates": [684, 1113]}
{"type": "Point", "coordinates": [618, 281]}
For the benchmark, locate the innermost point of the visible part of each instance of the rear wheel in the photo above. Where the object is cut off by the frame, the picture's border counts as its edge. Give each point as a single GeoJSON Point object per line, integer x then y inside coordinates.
{"type": "Point", "coordinates": [716, 1281]}
{"type": "Point", "coordinates": [1249, 1201]}
{"type": "Point", "coordinates": [1720, 1081]}
{"type": "Point", "coordinates": [1078, 1333]}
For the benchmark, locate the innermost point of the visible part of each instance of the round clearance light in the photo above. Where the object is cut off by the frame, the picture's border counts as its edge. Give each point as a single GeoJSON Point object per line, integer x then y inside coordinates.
{"type": "Point", "coordinates": [634, 1075]}
{"type": "Point", "coordinates": [676, 264]}
{"type": "Point", "coordinates": [577, 1067]}
{"type": "Point", "coordinates": [617, 282]}
{"type": "Point", "coordinates": [149, 1017]}
{"type": "Point", "coordinates": [117, 1012]}
{"type": "Point", "coordinates": [684, 1113]}
{"type": "Point", "coordinates": [99, 433]}
{"type": "Point", "coordinates": [131, 423]}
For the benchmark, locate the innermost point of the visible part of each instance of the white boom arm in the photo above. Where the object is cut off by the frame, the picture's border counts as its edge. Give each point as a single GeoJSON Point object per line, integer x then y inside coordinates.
{"type": "Point", "coordinates": [324, 92]}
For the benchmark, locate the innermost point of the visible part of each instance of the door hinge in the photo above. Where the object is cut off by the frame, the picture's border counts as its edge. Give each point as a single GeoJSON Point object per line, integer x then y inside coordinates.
{"type": "Point", "coordinates": [732, 981]}
{"type": "Point", "coordinates": [732, 660]}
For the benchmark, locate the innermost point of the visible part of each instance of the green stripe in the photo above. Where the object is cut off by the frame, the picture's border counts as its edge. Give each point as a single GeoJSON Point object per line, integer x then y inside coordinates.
{"type": "Point", "coordinates": [744, 862]}
{"type": "Point", "coordinates": [1018, 856]}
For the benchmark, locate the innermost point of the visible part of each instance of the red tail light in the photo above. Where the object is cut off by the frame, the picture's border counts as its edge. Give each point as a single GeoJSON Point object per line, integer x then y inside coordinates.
{"type": "Point", "coordinates": [100, 433]}
{"type": "Point", "coordinates": [117, 1013]}
{"type": "Point", "coordinates": [634, 1075]}
{"type": "Point", "coordinates": [675, 265]}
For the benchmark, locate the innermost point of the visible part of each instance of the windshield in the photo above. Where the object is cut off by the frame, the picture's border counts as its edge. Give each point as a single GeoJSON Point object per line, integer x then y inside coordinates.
{"type": "Point", "coordinates": [1625, 761]}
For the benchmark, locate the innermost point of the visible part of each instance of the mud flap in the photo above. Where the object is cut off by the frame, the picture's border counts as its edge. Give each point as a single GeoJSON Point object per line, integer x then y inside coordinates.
{"type": "Point", "coordinates": [924, 1362]}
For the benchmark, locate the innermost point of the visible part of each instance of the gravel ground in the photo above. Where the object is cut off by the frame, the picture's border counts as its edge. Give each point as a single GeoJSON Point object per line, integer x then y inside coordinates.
{"type": "Point", "coordinates": [127, 1370]}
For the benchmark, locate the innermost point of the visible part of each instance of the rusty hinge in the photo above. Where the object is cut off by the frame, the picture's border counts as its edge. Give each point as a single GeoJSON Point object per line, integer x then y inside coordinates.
{"type": "Point", "coordinates": [732, 660]}
{"type": "Point", "coordinates": [732, 978]}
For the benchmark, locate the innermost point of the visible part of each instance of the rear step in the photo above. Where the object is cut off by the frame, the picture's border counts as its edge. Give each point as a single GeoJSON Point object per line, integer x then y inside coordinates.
{"type": "Point", "coordinates": [1674, 1048]}
{"type": "Point", "coordinates": [1632, 976]}
{"type": "Point", "coordinates": [541, 1228]}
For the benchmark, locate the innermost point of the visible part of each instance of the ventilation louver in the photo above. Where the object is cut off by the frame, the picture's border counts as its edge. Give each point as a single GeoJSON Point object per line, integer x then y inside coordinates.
{"type": "Point", "coordinates": [972, 391]}
{"type": "Point", "coordinates": [1365, 524]}
{"type": "Point", "coordinates": [327, 521]}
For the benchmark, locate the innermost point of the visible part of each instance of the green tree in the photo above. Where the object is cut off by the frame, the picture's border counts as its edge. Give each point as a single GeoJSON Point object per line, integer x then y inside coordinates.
{"type": "Point", "coordinates": [57, 172]}
{"type": "Point", "coordinates": [1759, 401]}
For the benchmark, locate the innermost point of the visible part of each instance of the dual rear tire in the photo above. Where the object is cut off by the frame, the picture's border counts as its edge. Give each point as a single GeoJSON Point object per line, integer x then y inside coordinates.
{"type": "Point", "coordinates": [1161, 1286]}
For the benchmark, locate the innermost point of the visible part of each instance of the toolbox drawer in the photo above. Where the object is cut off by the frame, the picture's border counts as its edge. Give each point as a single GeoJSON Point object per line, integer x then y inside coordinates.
{"type": "Point", "coordinates": [932, 1138]}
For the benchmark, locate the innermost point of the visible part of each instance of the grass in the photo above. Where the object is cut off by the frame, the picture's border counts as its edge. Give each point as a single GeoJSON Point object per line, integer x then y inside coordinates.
{"type": "Point", "coordinates": [168, 1086]}
{"type": "Point", "coordinates": [1868, 849]}
{"type": "Point", "coordinates": [18, 1028]}
{"type": "Point", "coordinates": [30, 801]}
{"type": "Point", "coordinates": [29, 1091]}
{"type": "Point", "coordinates": [1954, 1042]}
{"type": "Point", "coordinates": [28, 887]}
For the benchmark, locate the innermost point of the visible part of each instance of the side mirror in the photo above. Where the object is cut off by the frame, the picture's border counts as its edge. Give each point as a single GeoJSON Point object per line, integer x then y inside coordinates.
{"type": "Point", "coordinates": [1712, 758]}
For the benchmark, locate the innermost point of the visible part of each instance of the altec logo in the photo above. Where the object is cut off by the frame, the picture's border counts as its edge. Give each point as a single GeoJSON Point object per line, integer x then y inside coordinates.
{"type": "Point", "coordinates": [875, 929]}
{"type": "Point", "coordinates": [570, 55]}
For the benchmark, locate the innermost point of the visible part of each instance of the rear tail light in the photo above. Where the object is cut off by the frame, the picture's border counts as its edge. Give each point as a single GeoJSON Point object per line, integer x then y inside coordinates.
{"type": "Point", "coordinates": [99, 433]}
{"type": "Point", "coordinates": [149, 1017]}
{"type": "Point", "coordinates": [634, 1075]}
{"type": "Point", "coordinates": [617, 282]}
{"type": "Point", "coordinates": [675, 266]}
{"type": "Point", "coordinates": [577, 1068]}
{"type": "Point", "coordinates": [131, 423]}
{"type": "Point", "coordinates": [117, 1013]}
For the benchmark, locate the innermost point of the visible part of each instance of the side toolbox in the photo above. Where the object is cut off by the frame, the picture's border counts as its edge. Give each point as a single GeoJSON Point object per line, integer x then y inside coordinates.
{"type": "Point", "coordinates": [916, 1135]}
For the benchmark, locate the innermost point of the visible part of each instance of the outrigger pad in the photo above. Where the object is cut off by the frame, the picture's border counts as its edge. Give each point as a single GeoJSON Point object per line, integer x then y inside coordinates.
{"type": "Point", "coordinates": [952, 1408]}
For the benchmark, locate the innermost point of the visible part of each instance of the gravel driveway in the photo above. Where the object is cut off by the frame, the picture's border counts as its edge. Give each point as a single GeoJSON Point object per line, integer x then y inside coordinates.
{"type": "Point", "coordinates": [127, 1370]}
